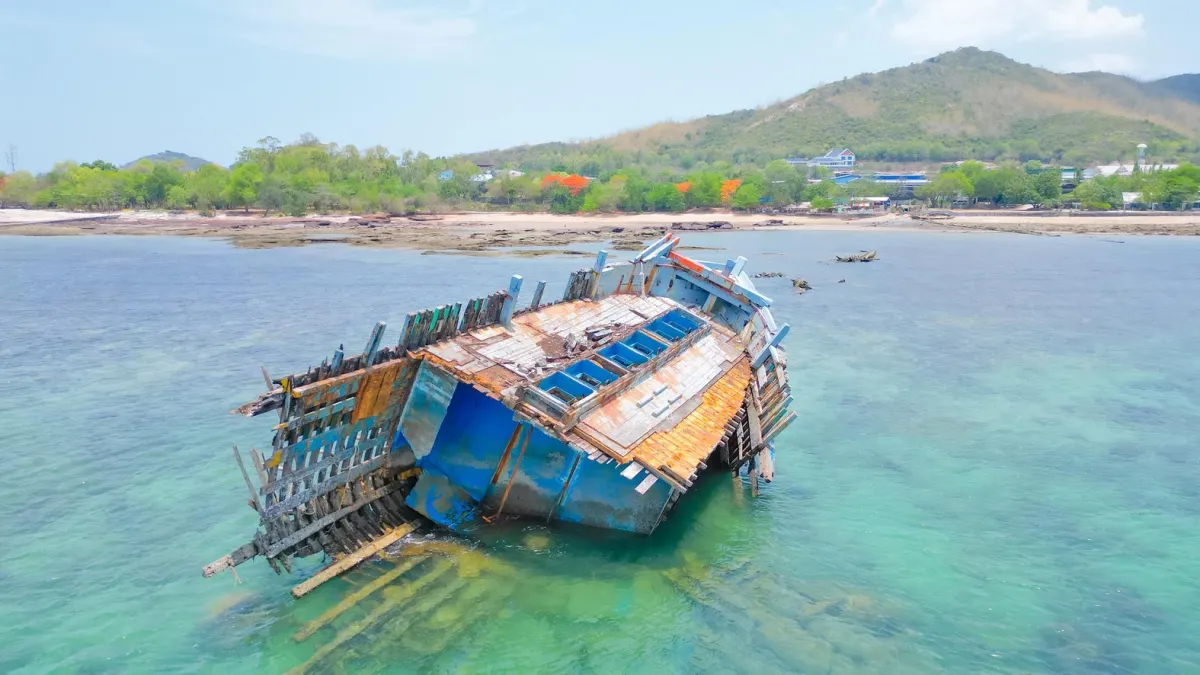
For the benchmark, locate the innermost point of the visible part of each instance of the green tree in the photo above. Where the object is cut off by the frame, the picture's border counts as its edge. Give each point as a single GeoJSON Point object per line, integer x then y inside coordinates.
{"type": "Point", "coordinates": [271, 194]}
{"type": "Point", "coordinates": [100, 165]}
{"type": "Point", "coordinates": [19, 189]}
{"type": "Point", "coordinates": [747, 197]}
{"type": "Point", "coordinates": [1097, 195]}
{"type": "Point", "coordinates": [560, 199]}
{"type": "Point", "coordinates": [178, 197]}
{"type": "Point", "coordinates": [242, 189]}
{"type": "Point", "coordinates": [972, 170]}
{"type": "Point", "coordinates": [159, 181]}
{"type": "Point", "coordinates": [705, 190]}
{"type": "Point", "coordinates": [665, 197]}
{"type": "Point", "coordinates": [635, 195]}
{"type": "Point", "coordinates": [822, 204]}
{"type": "Point", "coordinates": [945, 187]}
{"type": "Point", "coordinates": [207, 185]}
{"type": "Point", "coordinates": [1048, 185]}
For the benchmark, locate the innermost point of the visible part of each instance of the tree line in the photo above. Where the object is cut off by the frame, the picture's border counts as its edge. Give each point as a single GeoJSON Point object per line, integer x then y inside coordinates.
{"type": "Point", "coordinates": [309, 176]}
{"type": "Point", "coordinates": [1034, 183]}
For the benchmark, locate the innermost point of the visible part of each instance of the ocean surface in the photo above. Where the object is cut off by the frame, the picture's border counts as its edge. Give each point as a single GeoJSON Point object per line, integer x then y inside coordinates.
{"type": "Point", "coordinates": [995, 470]}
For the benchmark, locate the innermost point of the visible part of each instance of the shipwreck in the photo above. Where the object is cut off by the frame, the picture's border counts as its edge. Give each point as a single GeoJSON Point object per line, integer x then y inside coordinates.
{"type": "Point", "coordinates": [599, 409]}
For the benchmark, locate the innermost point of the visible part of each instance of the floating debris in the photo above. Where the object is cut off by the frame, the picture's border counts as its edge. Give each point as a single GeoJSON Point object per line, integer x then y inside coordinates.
{"type": "Point", "coordinates": [645, 374]}
{"type": "Point", "coordinates": [801, 284]}
{"type": "Point", "coordinates": [858, 257]}
{"type": "Point", "coordinates": [769, 275]}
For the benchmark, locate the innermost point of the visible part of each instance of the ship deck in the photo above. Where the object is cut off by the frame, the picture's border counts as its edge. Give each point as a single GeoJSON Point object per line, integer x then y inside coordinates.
{"type": "Point", "coordinates": [666, 416]}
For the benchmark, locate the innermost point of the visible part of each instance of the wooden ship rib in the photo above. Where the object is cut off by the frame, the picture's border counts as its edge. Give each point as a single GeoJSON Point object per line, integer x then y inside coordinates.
{"type": "Point", "coordinates": [599, 409]}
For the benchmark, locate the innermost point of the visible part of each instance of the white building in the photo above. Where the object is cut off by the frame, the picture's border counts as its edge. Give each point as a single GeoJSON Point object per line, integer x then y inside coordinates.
{"type": "Point", "coordinates": [834, 159]}
{"type": "Point", "coordinates": [1128, 169]}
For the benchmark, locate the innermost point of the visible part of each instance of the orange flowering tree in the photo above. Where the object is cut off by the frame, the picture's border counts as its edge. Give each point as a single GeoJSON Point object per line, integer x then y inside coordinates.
{"type": "Point", "coordinates": [573, 182]}
{"type": "Point", "coordinates": [684, 186]}
{"type": "Point", "coordinates": [728, 188]}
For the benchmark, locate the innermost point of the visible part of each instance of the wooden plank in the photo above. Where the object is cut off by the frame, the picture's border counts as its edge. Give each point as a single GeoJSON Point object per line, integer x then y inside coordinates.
{"type": "Point", "coordinates": [249, 485]}
{"type": "Point", "coordinates": [354, 598]}
{"type": "Point", "coordinates": [756, 440]}
{"type": "Point", "coordinates": [348, 562]}
{"type": "Point", "coordinates": [384, 609]}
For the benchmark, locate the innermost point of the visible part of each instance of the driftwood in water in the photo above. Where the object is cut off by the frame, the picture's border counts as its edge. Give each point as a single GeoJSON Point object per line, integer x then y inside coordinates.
{"type": "Point", "coordinates": [801, 284]}
{"type": "Point", "coordinates": [348, 562]}
{"type": "Point", "coordinates": [858, 257]}
{"type": "Point", "coordinates": [395, 596]}
{"type": "Point", "coordinates": [354, 598]}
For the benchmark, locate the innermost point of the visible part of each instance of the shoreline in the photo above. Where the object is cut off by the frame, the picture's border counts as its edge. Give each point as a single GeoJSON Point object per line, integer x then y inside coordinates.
{"type": "Point", "coordinates": [488, 233]}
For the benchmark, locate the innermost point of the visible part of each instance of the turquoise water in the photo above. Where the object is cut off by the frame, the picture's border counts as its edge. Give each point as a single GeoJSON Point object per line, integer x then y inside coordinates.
{"type": "Point", "coordinates": [994, 470]}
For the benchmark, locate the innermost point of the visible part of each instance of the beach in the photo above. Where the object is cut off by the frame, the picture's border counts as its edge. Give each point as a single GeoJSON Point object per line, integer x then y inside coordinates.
{"type": "Point", "coordinates": [535, 234]}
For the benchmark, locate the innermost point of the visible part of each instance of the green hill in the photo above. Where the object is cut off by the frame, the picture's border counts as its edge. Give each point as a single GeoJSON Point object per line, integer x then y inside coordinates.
{"type": "Point", "coordinates": [169, 156]}
{"type": "Point", "coordinates": [1186, 87]}
{"type": "Point", "coordinates": [966, 103]}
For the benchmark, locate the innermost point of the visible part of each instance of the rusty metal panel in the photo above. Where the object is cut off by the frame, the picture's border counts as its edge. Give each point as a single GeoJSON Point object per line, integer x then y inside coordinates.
{"type": "Point", "coordinates": [684, 446]}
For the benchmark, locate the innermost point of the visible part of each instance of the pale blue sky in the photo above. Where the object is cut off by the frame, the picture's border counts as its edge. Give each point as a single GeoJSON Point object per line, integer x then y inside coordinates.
{"type": "Point", "coordinates": [118, 79]}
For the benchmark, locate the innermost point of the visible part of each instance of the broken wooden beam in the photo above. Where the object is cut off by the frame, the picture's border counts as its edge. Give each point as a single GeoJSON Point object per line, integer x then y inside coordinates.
{"type": "Point", "coordinates": [354, 598]}
{"type": "Point", "coordinates": [239, 556]}
{"type": "Point", "coordinates": [348, 562]}
{"type": "Point", "coordinates": [392, 600]}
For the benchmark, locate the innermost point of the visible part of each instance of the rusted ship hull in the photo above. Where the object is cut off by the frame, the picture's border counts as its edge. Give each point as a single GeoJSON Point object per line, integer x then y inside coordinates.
{"type": "Point", "coordinates": [600, 409]}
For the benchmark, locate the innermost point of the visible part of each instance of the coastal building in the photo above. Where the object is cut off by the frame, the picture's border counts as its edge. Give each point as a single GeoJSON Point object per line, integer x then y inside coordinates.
{"type": "Point", "coordinates": [1119, 169]}
{"type": "Point", "coordinates": [914, 179]}
{"type": "Point", "coordinates": [834, 159]}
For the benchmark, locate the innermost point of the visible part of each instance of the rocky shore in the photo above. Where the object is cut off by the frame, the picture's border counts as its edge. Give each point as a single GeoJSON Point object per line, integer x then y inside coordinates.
{"type": "Point", "coordinates": [545, 234]}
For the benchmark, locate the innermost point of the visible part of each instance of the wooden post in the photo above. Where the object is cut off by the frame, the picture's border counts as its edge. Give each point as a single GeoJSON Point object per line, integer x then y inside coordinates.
{"type": "Point", "coordinates": [246, 476]}
{"type": "Point", "coordinates": [510, 301]}
{"type": "Point", "coordinates": [537, 295]}
{"type": "Point", "coordinates": [507, 451]}
{"type": "Point", "coordinates": [267, 377]}
{"type": "Point", "coordinates": [258, 466]}
{"type": "Point", "coordinates": [373, 344]}
{"type": "Point", "coordinates": [512, 477]}
{"type": "Point", "coordinates": [562, 494]}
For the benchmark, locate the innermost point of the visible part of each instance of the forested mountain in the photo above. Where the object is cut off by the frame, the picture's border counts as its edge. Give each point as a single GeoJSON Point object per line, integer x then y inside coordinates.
{"type": "Point", "coordinates": [962, 104]}
{"type": "Point", "coordinates": [1186, 87]}
{"type": "Point", "coordinates": [169, 156]}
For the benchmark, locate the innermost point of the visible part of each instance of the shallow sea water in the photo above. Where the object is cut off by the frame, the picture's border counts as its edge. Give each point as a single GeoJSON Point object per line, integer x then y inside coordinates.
{"type": "Point", "coordinates": [994, 470]}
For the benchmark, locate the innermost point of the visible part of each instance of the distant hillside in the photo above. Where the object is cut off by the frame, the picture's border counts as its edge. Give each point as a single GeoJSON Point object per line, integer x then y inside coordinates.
{"type": "Point", "coordinates": [966, 103]}
{"type": "Point", "coordinates": [168, 156]}
{"type": "Point", "coordinates": [1186, 87]}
